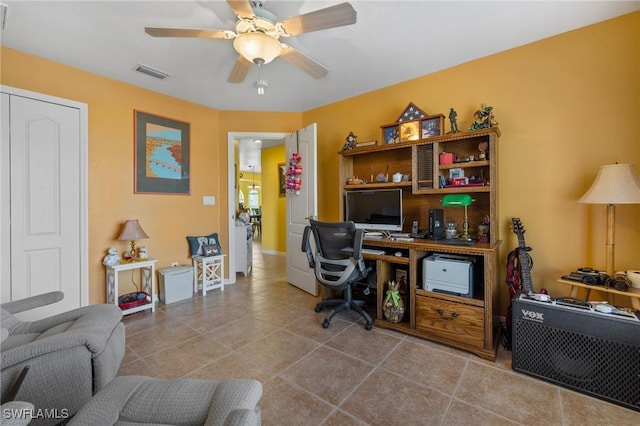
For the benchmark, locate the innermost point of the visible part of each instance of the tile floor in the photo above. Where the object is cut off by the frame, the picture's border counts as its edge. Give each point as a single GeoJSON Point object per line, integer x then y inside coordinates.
{"type": "Point", "coordinates": [263, 328]}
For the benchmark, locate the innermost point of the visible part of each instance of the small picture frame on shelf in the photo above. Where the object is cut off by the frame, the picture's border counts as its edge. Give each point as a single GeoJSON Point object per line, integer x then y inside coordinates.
{"type": "Point", "coordinates": [410, 131]}
{"type": "Point", "coordinates": [390, 135]}
{"type": "Point", "coordinates": [432, 126]}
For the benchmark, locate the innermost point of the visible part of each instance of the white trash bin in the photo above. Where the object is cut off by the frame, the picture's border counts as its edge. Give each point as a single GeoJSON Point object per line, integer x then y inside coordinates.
{"type": "Point", "coordinates": [175, 283]}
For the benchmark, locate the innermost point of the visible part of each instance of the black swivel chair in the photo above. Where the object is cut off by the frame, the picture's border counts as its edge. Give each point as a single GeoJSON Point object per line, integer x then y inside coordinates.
{"type": "Point", "coordinates": [338, 264]}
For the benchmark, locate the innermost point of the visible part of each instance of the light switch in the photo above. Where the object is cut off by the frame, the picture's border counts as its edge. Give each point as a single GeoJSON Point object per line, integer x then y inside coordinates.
{"type": "Point", "coordinates": [208, 200]}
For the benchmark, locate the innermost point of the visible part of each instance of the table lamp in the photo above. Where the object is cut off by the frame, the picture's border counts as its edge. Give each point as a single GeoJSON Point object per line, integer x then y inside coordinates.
{"type": "Point", "coordinates": [614, 184]}
{"type": "Point", "coordinates": [460, 200]}
{"type": "Point", "coordinates": [132, 231]}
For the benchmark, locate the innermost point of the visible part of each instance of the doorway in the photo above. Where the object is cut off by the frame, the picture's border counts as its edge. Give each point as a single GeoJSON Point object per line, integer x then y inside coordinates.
{"type": "Point", "coordinates": [274, 139]}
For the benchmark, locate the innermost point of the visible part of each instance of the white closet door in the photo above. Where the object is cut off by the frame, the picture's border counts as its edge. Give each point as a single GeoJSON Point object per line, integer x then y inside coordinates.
{"type": "Point", "coordinates": [46, 218]}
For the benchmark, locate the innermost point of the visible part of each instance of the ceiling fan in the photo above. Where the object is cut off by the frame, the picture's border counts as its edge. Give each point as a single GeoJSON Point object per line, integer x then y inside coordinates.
{"type": "Point", "coordinates": [257, 34]}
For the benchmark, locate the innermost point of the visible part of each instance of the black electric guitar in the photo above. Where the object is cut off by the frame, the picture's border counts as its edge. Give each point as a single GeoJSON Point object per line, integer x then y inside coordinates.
{"type": "Point", "coordinates": [526, 263]}
{"type": "Point", "coordinates": [519, 266]}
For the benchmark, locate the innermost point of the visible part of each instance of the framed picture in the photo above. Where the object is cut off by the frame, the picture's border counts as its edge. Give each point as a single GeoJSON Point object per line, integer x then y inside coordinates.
{"type": "Point", "coordinates": [432, 126]}
{"type": "Point", "coordinates": [409, 131]}
{"type": "Point", "coordinates": [282, 170]}
{"type": "Point", "coordinates": [210, 250]}
{"type": "Point", "coordinates": [161, 155]}
{"type": "Point", "coordinates": [390, 135]}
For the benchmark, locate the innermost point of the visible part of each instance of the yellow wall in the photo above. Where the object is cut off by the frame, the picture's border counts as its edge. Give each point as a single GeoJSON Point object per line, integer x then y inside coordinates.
{"type": "Point", "coordinates": [566, 105]}
{"type": "Point", "coordinates": [167, 219]}
{"type": "Point", "coordinates": [273, 205]}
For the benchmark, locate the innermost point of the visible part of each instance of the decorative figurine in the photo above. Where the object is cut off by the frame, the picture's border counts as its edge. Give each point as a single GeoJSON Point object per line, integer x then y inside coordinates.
{"type": "Point", "coordinates": [351, 142]}
{"type": "Point", "coordinates": [483, 230]}
{"type": "Point", "coordinates": [483, 118]}
{"type": "Point", "coordinates": [453, 118]}
{"type": "Point", "coordinates": [142, 253]}
{"type": "Point", "coordinates": [112, 258]}
{"type": "Point", "coordinates": [482, 147]}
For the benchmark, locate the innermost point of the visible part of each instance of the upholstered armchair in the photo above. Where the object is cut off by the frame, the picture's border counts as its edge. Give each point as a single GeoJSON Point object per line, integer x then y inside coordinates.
{"type": "Point", "coordinates": [70, 356]}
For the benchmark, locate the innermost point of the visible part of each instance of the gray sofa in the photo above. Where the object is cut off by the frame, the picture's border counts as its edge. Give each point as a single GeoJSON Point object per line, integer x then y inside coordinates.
{"type": "Point", "coordinates": [70, 356]}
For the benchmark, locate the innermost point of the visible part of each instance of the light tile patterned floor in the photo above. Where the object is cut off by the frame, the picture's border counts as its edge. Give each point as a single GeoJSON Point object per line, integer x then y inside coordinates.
{"type": "Point", "coordinates": [263, 328]}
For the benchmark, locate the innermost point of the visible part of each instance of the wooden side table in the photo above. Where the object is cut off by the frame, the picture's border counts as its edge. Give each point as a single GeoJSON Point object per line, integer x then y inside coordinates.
{"type": "Point", "coordinates": [633, 293]}
{"type": "Point", "coordinates": [147, 275]}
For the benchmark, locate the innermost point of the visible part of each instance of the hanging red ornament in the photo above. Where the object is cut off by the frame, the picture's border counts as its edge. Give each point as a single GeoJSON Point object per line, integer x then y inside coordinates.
{"type": "Point", "coordinates": [293, 176]}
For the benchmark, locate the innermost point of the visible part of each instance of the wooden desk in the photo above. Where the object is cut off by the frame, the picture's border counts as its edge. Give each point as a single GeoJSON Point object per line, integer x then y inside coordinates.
{"type": "Point", "coordinates": [633, 293]}
{"type": "Point", "coordinates": [465, 323]}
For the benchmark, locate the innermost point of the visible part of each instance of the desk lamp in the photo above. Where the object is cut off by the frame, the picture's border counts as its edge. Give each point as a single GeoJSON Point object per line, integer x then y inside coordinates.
{"type": "Point", "coordinates": [460, 200]}
{"type": "Point", "coordinates": [132, 231]}
{"type": "Point", "coordinates": [614, 184]}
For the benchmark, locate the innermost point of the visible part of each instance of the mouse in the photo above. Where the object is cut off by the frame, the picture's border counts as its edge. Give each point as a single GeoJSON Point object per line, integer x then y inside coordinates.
{"type": "Point", "coordinates": [398, 253]}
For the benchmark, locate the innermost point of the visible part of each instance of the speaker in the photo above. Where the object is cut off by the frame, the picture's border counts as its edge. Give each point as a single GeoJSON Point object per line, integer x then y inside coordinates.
{"type": "Point", "coordinates": [590, 352]}
{"type": "Point", "coordinates": [436, 224]}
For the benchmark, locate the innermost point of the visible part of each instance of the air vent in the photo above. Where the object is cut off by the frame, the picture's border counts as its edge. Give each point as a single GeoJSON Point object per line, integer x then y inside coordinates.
{"type": "Point", "coordinates": [146, 69]}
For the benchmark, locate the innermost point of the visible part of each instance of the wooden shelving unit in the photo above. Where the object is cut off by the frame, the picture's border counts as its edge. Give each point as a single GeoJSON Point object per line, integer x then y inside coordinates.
{"type": "Point", "coordinates": [465, 323]}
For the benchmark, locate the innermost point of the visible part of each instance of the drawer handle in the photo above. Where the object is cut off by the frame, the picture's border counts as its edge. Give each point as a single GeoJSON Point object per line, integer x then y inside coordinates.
{"type": "Point", "coordinates": [452, 316]}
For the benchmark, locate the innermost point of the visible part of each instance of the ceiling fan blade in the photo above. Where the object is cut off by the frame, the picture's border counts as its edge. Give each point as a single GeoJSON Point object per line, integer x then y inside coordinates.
{"type": "Point", "coordinates": [242, 8]}
{"type": "Point", "coordinates": [303, 62]}
{"type": "Point", "coordinates": [330, 17]}
{"type": "Point", "coordinates": [240, 70]}
{"type": "Point", "coordinates": [189, 32]}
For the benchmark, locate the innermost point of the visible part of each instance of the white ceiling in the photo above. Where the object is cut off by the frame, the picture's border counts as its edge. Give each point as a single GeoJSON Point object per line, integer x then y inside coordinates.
{"type": "Point", "coordinates": [392, 41]}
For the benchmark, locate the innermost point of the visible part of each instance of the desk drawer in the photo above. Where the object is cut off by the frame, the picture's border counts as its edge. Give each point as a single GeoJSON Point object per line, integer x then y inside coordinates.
{"type": "Point", "coordinates": [450, 320]}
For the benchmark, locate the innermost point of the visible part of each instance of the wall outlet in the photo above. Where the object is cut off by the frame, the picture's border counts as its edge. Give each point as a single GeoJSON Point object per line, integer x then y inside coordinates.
{"type": "Point", "coordinates": [209, 200]}
{"type": "Point", "coordinates": [174, 264]}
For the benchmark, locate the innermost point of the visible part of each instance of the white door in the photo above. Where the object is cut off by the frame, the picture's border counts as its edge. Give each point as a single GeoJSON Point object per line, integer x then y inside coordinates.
{"type": "Point", "coordinates": [46, 216]}
{"type": "Point", "coordinates": [301, 207]}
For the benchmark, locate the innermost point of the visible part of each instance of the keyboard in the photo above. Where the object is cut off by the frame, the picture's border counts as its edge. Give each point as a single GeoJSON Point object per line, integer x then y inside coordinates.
{"type": "Point", "coordinates": [456, 242]}
{"type": "Point", "coordinates": [372, 251]}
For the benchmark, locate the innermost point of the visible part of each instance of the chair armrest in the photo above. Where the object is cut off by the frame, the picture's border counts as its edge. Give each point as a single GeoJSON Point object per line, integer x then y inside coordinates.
{"type": "Point", "coordinates": [33, 302]}
{"type": "Point", "coordinates": [358, 238]}
{"type": "Point", "coordinates": [306, 246]}
{"type": "Point", "coordinates": [104, 312]}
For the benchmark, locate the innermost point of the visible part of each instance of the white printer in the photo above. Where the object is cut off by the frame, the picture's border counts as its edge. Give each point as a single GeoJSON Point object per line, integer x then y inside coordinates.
{"type": "Point", "coordinates": [448, 273]}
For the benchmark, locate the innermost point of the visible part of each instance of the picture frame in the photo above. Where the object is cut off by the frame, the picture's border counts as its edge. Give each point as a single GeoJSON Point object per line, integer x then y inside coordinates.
{"type": "Point", "coordinates": [210, 250]}
{"type": "Point", "coordinates": [432, 126]}
{"type": "Point", "coordinates": [282, 171]}
{"type": "Point", "coordinates": [390, 135]}
{"type": "Point", "coordinates": [409, 131]}
{"type": "Point", "coordinates": [162, 147]}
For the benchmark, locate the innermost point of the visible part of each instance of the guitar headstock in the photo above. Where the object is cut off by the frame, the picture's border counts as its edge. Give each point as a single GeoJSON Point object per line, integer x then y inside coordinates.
{"type": "Point", "coordinates": [518, 228]}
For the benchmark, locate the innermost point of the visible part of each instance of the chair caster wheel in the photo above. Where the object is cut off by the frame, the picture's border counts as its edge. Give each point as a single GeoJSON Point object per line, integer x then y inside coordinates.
{"type": "Point", "coordinates": [318, 308]}
{"type": "Point", "coordinates": [325, 324]}
{"type": "Point", "coordinates": [368, 326]}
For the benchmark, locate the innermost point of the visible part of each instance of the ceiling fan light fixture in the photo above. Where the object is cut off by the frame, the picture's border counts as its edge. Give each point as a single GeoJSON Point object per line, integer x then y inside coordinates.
{"type": "Point", "coordinates": [261, 85]}
{"type": "Point", "coordinates": [257, 46]}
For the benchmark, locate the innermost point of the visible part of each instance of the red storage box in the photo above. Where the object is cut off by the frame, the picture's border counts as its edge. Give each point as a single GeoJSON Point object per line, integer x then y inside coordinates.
{"type": "Point", "coordinates": [447, 158]}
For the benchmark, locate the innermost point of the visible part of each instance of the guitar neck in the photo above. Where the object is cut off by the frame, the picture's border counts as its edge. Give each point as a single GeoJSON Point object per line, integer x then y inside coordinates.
{"type": "Point", "coordinates": [525, 270]}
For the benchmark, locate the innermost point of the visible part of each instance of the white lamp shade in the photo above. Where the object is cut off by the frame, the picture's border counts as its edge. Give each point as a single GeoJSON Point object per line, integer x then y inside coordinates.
{"type": "Point", "coordinates": [132, 231]}
{"type": "Point", "coordinates": [614, 184]}
{"type": "Point", "coordinates": [257, 45]}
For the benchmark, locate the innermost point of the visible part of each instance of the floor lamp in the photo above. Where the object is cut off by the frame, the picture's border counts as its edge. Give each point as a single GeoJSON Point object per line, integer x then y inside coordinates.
{"type": "Point", "coordinates": [614, 184]}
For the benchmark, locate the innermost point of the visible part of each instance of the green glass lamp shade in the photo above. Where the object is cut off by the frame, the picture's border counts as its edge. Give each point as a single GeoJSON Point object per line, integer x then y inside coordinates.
{"type": "Point", "coordinates": [457, 200]}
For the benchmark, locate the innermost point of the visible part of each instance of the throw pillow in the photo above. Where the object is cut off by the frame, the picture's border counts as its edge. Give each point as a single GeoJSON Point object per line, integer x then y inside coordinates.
{"type": "Point", "coordinates": [196, 244]}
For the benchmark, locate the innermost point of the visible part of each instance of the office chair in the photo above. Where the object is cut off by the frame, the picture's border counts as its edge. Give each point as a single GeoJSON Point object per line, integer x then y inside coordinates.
{"type": "Point", "coordinates": [338, 264]}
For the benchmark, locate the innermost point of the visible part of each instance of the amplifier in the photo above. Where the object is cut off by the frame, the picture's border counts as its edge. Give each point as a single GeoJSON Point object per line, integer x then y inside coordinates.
{"type": "Point", "coordinates": [594, 353]}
